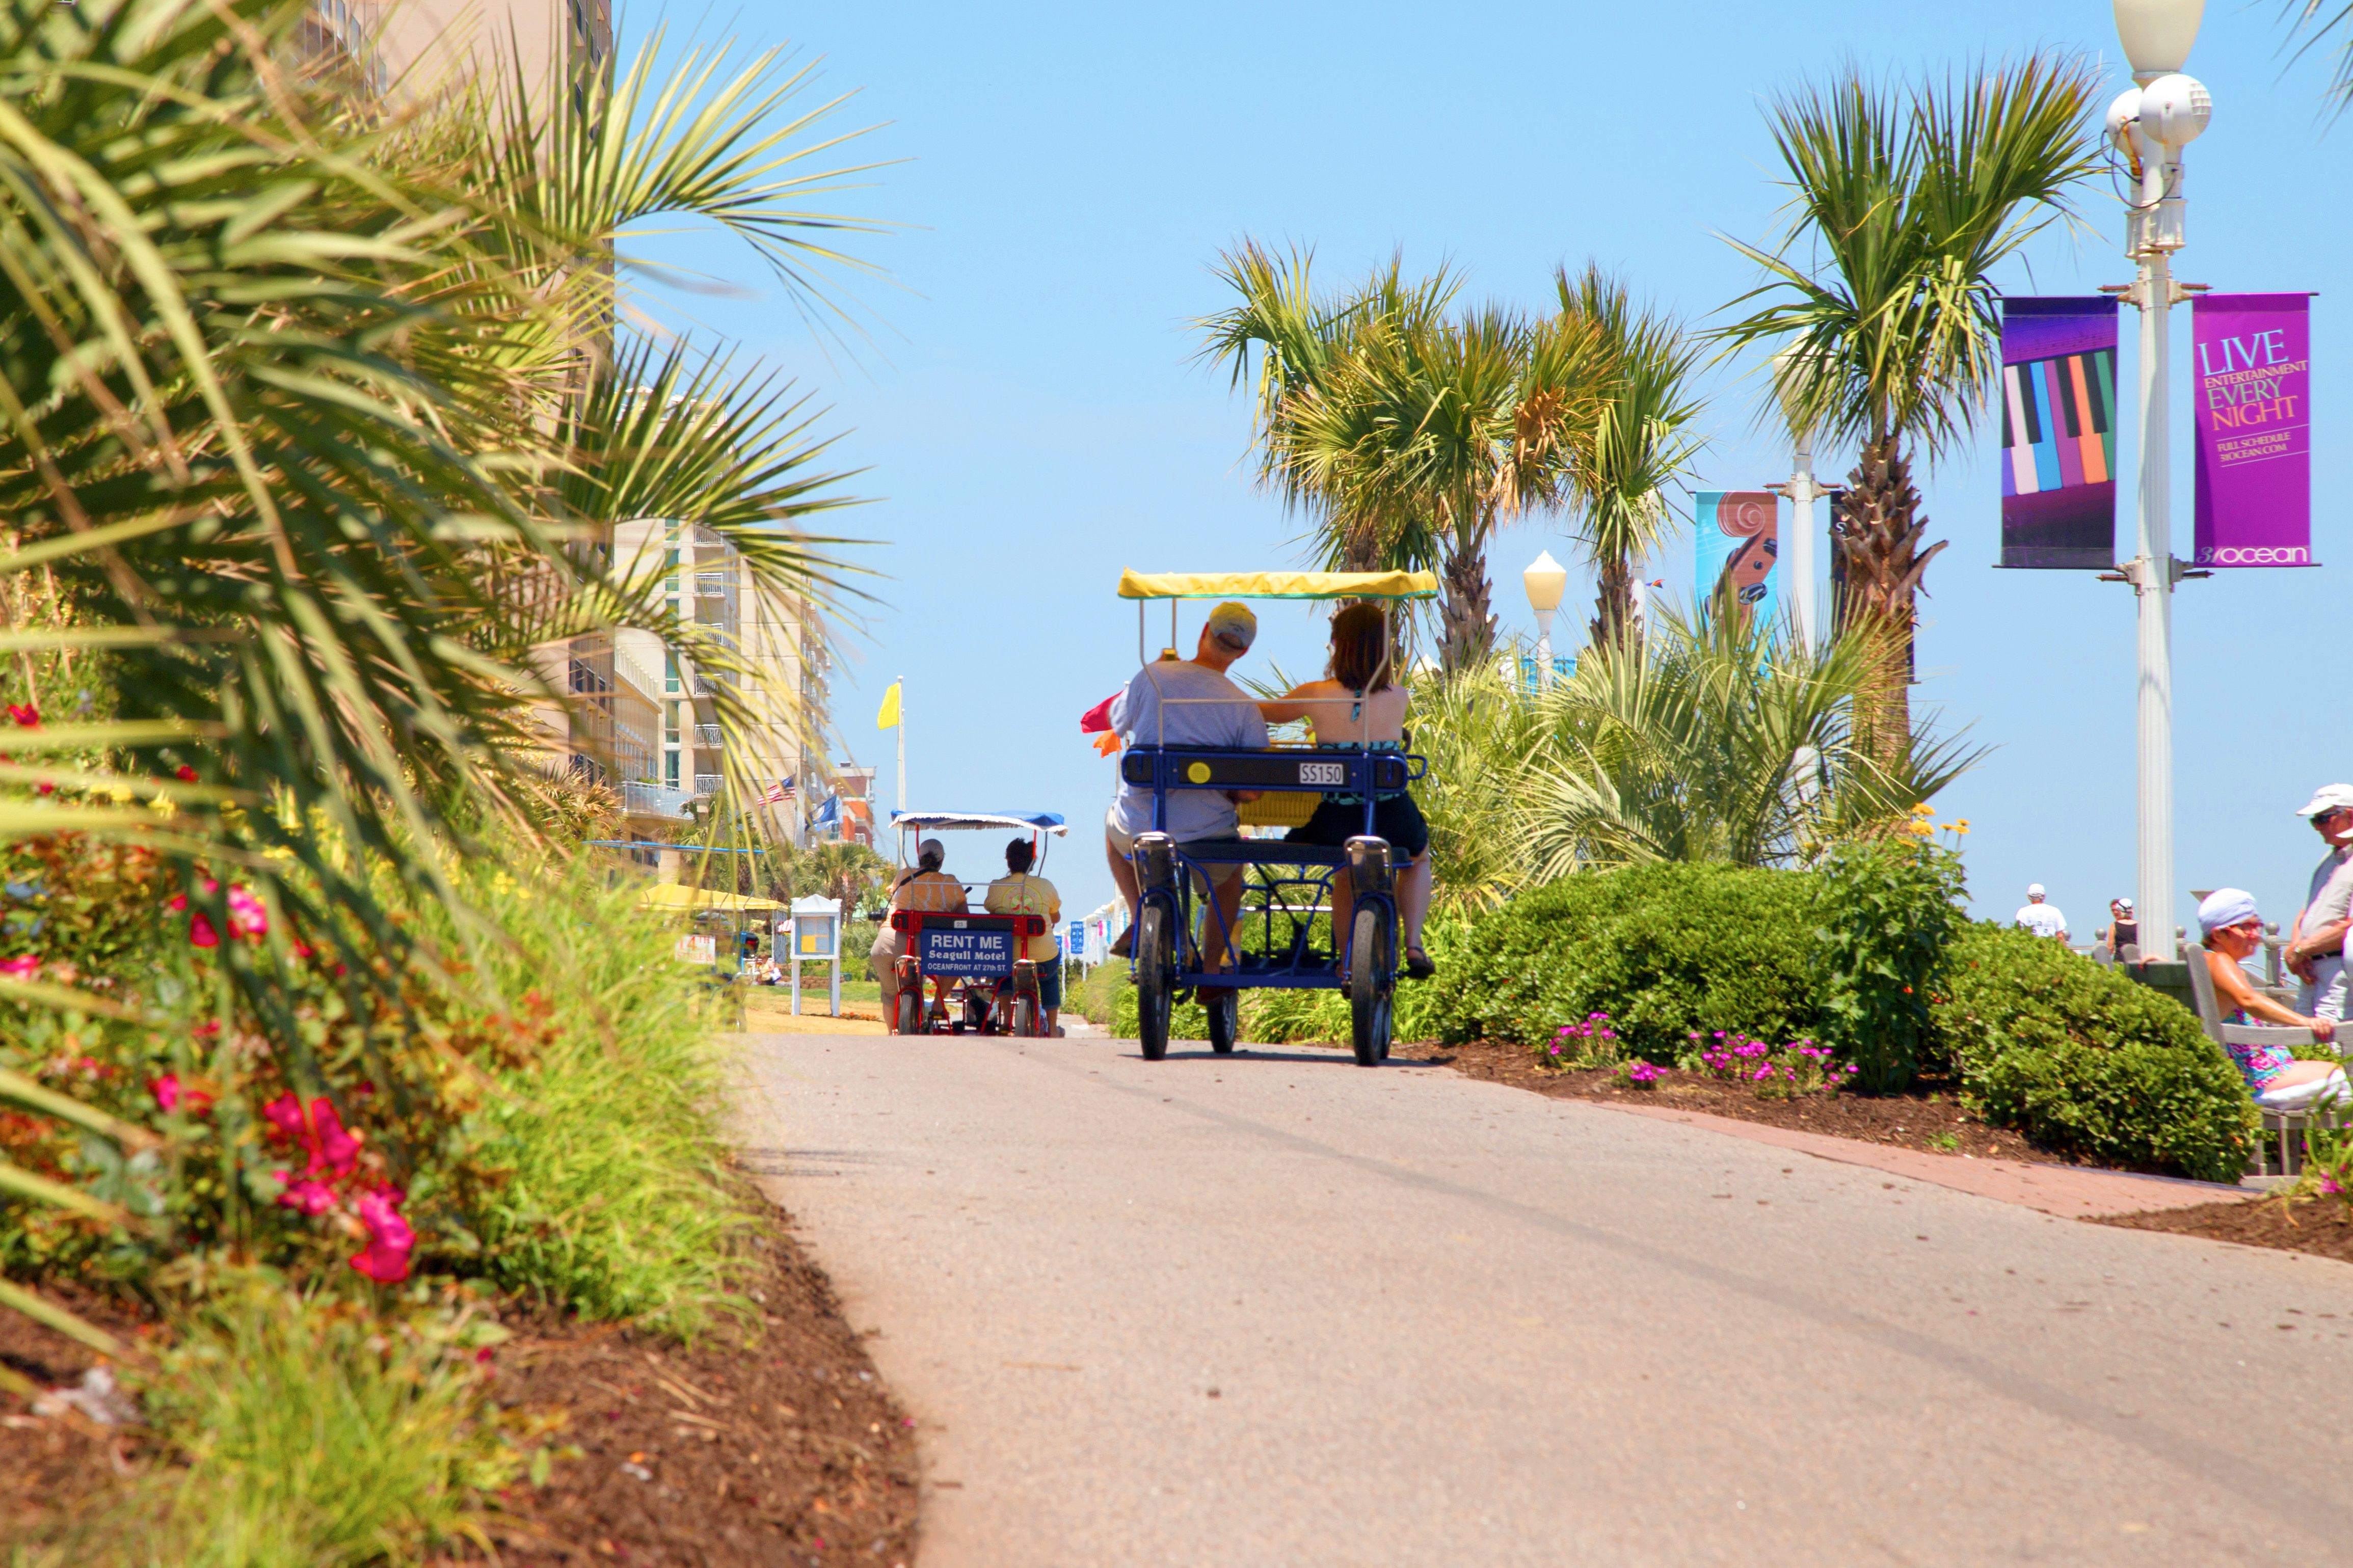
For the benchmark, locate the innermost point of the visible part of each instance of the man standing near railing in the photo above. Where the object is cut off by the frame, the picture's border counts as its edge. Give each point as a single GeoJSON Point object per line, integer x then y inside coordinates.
{"type": "Point", "coordinates": [2315, 948]}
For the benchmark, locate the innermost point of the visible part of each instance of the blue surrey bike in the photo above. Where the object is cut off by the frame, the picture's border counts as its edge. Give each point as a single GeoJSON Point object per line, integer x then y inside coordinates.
{"type": "Point", "coordinates": [1280, 880]}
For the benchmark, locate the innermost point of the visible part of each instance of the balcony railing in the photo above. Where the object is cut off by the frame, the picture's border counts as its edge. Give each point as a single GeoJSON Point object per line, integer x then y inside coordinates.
{"type": "Point", "coordinates": [645, 799]}
{"type": "Point", "coordinates": [706, 736]}
{"type": "Point", "coordinates": [709, 783]}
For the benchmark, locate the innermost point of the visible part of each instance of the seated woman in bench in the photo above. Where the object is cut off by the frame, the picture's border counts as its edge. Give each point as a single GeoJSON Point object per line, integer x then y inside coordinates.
{"type": "Point", "coordinates": [2233, 931]}
{"type": "Point", "coordinates": [1356, 707]}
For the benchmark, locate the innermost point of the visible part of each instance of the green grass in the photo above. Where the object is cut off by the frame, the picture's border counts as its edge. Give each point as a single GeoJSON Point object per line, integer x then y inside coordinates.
{"type": "Point", "coordinates": [621, 1204]}
{"type": "Point", "coordinates": [314, 1434]}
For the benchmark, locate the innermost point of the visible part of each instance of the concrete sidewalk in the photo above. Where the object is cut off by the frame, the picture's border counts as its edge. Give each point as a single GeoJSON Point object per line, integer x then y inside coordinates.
{"type": "Point", "coordinates": [1276, 1309]}
{"type": "Point", "coordinates": [2075, 1191]}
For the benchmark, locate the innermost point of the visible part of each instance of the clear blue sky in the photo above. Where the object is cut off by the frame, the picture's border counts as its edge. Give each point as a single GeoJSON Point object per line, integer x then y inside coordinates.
{"type": "Point", "coordinates": [1030, 422]}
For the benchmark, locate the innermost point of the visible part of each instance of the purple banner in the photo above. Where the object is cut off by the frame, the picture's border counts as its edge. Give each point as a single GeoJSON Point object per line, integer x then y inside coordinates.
{"type": "Point", "coordinates": [2251, 355]}
{"type": "Point", "coordinates": [2059, 433]}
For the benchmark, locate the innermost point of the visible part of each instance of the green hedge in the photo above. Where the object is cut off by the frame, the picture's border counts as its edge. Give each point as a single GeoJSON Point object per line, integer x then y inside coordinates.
{"type": "Point", "coordinates": [2083, 1061]}
{"type": "Point", "coordinates": [1664, 950]}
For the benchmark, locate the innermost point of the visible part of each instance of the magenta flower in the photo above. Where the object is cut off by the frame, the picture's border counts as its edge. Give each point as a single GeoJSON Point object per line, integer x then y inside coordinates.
{"type": "Point", "coordinates": [200, 931]}
{"type": "Point", "coordinates": [247, 917]}
{"type": "Point", "coordinates": [390, 1240]}
{"type": "Point", "coordinates": [308, 1197]}
{"type": "Point", "coordinates": [166, 1090]}
{"type": "Point", "coordinates": [23, 968]}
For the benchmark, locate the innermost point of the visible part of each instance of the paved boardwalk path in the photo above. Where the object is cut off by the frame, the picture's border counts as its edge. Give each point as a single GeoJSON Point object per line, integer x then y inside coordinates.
{"type": "Point", "coordinates": [1280, 1309]}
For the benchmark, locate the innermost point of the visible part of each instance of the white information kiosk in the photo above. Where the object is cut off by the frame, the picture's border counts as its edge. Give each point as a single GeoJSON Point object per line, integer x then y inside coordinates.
{"type": "Point", "coordinates": [811, 929]}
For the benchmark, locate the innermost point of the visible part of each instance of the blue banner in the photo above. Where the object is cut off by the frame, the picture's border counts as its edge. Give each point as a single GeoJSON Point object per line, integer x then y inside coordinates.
{"type": "Point", "coordinates": [1735, 541]}
{"type": "Point", "coordinates": [952, 950]}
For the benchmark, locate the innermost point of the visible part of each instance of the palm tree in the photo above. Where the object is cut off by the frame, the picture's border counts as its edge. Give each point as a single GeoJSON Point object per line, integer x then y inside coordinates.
{"type": "Point", "coordinates": [1298, 343]}
{"type": "Point", "coordinates": [1412, 434]}
{"type": "Point", "coordinates": [1717, 740]}
{"type": "Point", "coordinates": [2336, 28]}
{"type": "Point", "coordinates": [1640, 442]}
{"type": "Point", "coordinates": [1902, 209]}
{"type": "Point", "coordinates": [311, 426]}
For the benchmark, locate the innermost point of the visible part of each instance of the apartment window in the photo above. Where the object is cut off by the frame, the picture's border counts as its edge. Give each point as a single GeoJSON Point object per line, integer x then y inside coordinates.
{"type": "Point", "coordinates": [669, 680]}
{"type": "Point", "coordinates": [669, 768]}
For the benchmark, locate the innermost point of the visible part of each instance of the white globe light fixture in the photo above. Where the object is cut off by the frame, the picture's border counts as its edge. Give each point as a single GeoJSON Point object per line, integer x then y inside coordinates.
{"type": "Point", "coordinates": [2149, 125]}
{"type": "Point", "coordinates": [2158, 34]}
{"type": "Point", "coordinates": [1544, 580]}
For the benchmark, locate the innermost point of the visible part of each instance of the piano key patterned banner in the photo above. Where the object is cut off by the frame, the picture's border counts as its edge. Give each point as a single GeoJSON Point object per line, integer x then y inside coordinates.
{"type": "Point", "coordinates": [2059, 433]}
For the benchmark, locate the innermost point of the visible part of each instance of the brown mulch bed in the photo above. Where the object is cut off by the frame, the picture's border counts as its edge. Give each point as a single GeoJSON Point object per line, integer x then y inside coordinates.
{"type": "Point", "coordinates": [763, 1444]}
{"type": "Point", "coordinates": [50, 1465]}
{"type": "Point", "coordinates": [2321, 1227]}
{"type": "Point", "coordinates": [780, 1445]}
{"type": "Point", "coordinates": [1929, 1117]}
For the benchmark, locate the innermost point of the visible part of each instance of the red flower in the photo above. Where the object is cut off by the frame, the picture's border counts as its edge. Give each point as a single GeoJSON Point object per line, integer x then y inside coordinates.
{"type": "Point", "coordinates": [200, 931]}
{"type": "Point", "coordinates": [166, 1090]}
{"type": "Point", "coordinates": [26, 716]}
{"type": "Point", "coordinates": [184, 773]}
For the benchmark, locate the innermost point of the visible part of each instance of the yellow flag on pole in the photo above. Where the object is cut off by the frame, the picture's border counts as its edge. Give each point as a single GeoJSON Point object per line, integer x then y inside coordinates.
{"type": "Point", "coordinates": [889, 715]}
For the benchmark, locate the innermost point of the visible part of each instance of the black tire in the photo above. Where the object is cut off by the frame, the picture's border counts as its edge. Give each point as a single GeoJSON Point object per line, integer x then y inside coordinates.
{"type": "Point", "coordinates": [1156, 979]}
{"type": "Point", "coordinates": [1370, 981]}
{"type": "Point", "coordinates": [1027, 1022]}
{"type": "Point", "coordinates": [909, 1011]}
{"type": "Point", "coordinates": [1225, 1009]}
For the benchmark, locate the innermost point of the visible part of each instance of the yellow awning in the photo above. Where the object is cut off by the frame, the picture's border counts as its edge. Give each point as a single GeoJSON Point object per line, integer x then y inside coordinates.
{"type": "Point", "coordinates": [1278, 586]}
{"type": "Point", "coordinates": [679, 896]}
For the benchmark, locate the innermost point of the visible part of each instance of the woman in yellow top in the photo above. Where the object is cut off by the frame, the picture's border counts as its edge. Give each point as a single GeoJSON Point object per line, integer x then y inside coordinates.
{"type": "Point", "coordinates": [1019, 893]}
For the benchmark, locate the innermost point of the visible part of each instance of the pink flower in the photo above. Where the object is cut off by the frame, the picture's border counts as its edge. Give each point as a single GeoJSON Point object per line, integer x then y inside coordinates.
{"type": "Point", "coordinates": [390, 1240]}
{"type": "Point", "coordinates": [284, 1115]}
{"type": "Point", "coordinates": [246, 916]}
{"type": "Point", "coordinates": [329, 1142]}
{"type": "Point", "coordinates": [200, 931]}
{"type": "Point", "coordinates": [23, 968]}
{"type": "Point", "coordinates": [166, 1090]}
{"type": "Point", "coordinates": [26, 716]}
{"type": "Point", "coordinates": [306, 1195]}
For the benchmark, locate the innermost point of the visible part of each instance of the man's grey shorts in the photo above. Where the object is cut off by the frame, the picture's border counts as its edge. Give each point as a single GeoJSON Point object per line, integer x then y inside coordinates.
{"type": "Point", "coordinates": [1123, 844]}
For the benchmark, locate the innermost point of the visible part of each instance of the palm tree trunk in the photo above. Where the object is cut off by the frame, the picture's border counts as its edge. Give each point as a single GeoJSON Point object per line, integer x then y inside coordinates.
{"type": "Point", "coordinates": [1468, 627]}
{"type": "Point", "coordinates": [1613, 604]}
{"type": "Point", "coordinates": [1880, 547]}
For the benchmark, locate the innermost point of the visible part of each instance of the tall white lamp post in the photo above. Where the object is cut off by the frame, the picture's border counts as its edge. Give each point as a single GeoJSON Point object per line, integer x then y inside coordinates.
{"type": "Point", "coordinates": [1803, 492]}
{"type": "Point", "coordinates": [2150, 124]}
{"type": "Point", "coordinates": [1545, 579]}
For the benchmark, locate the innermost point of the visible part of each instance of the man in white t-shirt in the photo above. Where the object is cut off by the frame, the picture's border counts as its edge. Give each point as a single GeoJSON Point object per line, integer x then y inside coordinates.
{"type": "Point", "coordinates": [1185, 703]}
{"type": "Point", "coordinates": [2316, 949]}
{"type": "Point", "coordinates": [2041, 918]}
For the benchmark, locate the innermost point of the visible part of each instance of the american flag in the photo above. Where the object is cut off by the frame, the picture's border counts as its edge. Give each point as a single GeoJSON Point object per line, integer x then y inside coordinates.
{"type": "Point", "coordinates": [777, 793]}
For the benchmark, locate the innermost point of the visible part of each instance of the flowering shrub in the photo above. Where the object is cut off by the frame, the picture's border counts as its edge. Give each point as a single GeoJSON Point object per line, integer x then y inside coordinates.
{"type": "Point", "coordinates": [301, 1143]}
{"type": "Point", "coordinates": [1887, 907]}
{"type": "Point", "coordinates": [2328, 1164]}
{"type": "Point", "coordinates": [1590, 1043]}
{"type": "Point", "coordinates": [1775, 1072]}
{"type": "Point", "coordinates": [1639, 1075]}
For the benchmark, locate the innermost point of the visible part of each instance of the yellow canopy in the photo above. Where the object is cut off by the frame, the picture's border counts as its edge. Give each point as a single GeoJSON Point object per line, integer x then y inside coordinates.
{"type": "Point", "coordinates": [679, 896]}
{"type": "Point", "coordinates": [1278, 586]}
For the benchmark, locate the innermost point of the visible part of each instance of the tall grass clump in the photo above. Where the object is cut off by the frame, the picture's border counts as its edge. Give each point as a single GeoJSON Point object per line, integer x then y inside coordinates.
{"type": "Point", "coordinates": [311, 1433]}
{"type": "Point", "coordinates": [618, 1198]}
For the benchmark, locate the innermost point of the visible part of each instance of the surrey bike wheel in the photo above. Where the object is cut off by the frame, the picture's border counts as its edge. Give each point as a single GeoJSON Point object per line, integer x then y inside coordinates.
{"type": "Point", "coordinates": [1370, 982]}
{"type": "Point", "coordinates": [1224, 1010]}
{"type": "Point", "coordinates": [1026, 1021]}
{"type": "Point", "coordinates": [910, 1013]}
{"type": "Point", "coordinates": [1156, 979]}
